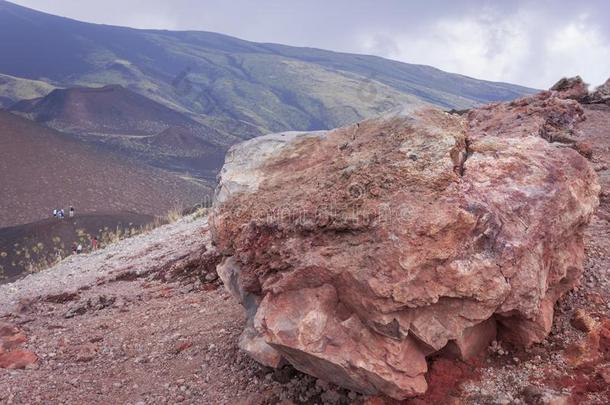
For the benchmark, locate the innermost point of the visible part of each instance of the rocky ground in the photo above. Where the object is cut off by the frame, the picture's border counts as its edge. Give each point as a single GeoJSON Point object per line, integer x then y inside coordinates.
{"type": "Point", "coordinates": [145, 339]}
{"type": "Point", "coordinates": [146, 321]}
{"type": "Point", "coordinates": [571, 365]}
{"type": "Point", "coordinates": [131, 334]}
{"type": "Point", "coordinates": [124, 325]}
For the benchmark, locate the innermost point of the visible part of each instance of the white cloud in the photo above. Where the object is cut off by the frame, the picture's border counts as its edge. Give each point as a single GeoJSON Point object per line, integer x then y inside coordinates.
{"type": "Point", "coordinates": [580, 47]}
{"type": "Point", "coordinates": [530, 42]}
{"type": "Point", "coordinates": [512, 48]}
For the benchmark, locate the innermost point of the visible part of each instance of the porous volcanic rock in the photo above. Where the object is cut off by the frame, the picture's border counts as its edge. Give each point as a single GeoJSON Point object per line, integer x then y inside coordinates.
{"type": "Point", "coordinates": [571, 87]}
{"type": "Point", "coordinates": [601, 94]}
{"type": "Point", "coordinates": [361, 251]}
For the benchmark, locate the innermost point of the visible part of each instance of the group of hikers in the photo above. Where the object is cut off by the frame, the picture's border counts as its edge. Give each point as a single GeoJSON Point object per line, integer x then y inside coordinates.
{"type": "Point", "coordinates": [77, 248]}
{"type": "Point", "coordinates": [61, 214]}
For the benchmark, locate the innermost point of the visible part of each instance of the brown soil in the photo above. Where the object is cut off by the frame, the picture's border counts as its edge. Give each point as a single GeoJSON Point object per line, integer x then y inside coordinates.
{"type": "Point", "coordinates": [108, 110]}
{"type": "Point", "coordinates": [42, 169]}
{"type": "Point", "coordinates": [35, 246]}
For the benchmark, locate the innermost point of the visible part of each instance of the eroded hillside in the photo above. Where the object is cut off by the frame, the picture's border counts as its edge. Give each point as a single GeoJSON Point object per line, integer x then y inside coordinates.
{"type": "Point", "coordinates": [42, 169]}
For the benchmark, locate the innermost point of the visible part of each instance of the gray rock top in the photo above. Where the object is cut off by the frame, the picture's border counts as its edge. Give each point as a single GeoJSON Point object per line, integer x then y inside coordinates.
{"type": "Point", "coordinates": [241, 171]}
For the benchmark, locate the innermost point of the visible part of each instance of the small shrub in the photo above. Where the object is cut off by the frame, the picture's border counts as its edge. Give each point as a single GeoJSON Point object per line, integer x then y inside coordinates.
{"type": "Point", "coordinates": [173, 215]}
{"type": "Point", "coordinates": [200, 212]}
{"type": "Point", "coordinates": [41, 264]}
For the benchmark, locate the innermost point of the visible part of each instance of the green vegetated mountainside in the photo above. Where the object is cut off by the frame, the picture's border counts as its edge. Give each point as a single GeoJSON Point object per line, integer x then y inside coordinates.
{"type": "Point", "coordinates": [237, 87]}
{"type": "Point", "coordinates": [13, 89]}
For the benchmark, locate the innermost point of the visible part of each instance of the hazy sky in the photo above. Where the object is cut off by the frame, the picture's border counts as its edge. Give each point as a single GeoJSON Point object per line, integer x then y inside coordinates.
{"type": "Point", "coordinates": [526, 42]}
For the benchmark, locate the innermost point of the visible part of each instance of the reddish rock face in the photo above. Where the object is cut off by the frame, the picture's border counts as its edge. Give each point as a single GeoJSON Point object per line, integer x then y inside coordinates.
{"type": "Point", "coordinates": [359, 252]}
{"type": "Point", "coordinates": [573, 87]}
{"type": "Point", "coordinates": [17, 359]}
{"type": "Point", "coordinates": [10, 337]}
{"type": "Point", "coordinates": [10, 356]}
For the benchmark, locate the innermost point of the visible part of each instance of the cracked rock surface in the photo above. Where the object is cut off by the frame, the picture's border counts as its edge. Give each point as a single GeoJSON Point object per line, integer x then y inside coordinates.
{"type": "Point", "coordinates": [360, 252]}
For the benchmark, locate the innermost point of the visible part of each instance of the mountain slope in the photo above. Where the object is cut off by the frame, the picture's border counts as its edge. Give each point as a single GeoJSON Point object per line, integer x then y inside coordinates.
{"type": "Point", "coordinates": [33, 246]}
{"type": "Point", "coordinates": [124, 121]}
{"type": "Point", "coordinates": [238, 87]}
{"type": "Point", "coordinates": [42, 169]}
{"type": "Point", "coordinates": [106, 110]}
{"type": "Point", "coordinates": [13, 89]}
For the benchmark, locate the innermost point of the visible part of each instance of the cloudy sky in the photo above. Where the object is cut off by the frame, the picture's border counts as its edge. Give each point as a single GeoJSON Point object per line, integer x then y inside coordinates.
{"type": "Point", "coordinates": [526, 42]}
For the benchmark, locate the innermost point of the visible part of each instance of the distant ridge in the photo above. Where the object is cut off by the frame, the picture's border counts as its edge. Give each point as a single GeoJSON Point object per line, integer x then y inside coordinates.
{"type": "Point", "coordinates": [123, 121]}
{"type": "Point", "coordinates": [239, 88]}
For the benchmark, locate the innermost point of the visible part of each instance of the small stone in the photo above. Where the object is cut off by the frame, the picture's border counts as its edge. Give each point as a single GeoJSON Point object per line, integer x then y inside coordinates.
{"type": "Point", "coordinates": [531, 394]}
{"type": "Point", "coordinates": [17, 359]}
{"type": "Point", "coordinates": [182, 346]}
{"type": "Point", "coordinates": [582, 321]}
{"type": "Point", "coordinates": [503, 400]}
{"type": "Point", "coordinates": [322, 384]}
{"type": "Point", "coordinates": [330, 397]}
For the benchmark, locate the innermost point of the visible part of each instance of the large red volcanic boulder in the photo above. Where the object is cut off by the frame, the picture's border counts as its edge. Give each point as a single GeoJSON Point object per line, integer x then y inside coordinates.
{"type": "Point", "coordinates": [361, 251]}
